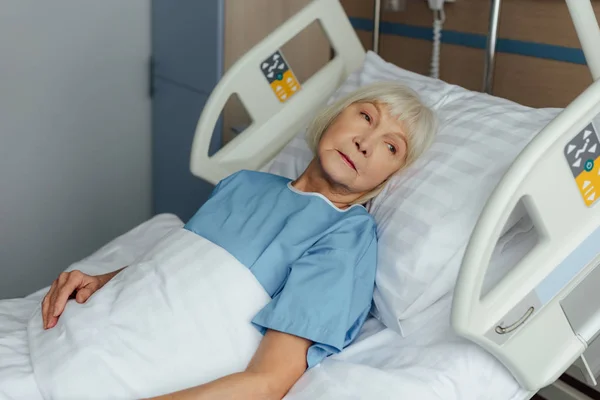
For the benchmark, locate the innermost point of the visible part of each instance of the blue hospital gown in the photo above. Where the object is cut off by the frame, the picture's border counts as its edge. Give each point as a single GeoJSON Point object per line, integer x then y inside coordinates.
{"type": "Point", "coordinates": [317, 262]}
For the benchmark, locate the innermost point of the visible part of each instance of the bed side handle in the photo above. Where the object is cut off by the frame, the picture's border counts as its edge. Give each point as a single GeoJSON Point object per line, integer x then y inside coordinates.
{"type": "Point", "coordinates": [274, 122]}
{"type": "Point", "coordinates": [503, 330]}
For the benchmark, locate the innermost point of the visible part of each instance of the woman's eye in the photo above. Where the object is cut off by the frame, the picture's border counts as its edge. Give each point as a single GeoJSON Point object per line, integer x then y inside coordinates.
{"type": "Point", "coordinates": [391, 148]}
{"type": "Point", "coordinates": [366, 116]}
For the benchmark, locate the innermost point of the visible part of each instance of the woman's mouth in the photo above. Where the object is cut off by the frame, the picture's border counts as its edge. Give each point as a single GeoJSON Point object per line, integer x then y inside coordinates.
{"type": "Point", "coordinates": [347, 160]}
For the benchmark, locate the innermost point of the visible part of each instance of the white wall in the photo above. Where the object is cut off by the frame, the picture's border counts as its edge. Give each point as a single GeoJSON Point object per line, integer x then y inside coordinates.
{"type": "Point", "coordinates": [75, 132]}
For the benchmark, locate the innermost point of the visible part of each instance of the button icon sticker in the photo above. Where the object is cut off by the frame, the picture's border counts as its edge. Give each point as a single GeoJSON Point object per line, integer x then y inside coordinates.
{"type": "Point", "coordinates": [582, 154]}
{"type": "Point", "coordinates": [280, 76]}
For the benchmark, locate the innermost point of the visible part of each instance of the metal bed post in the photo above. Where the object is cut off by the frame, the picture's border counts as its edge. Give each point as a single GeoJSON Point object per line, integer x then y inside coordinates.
{"type": "Point", "coordinates": [376, 24]}
{"type": "Point", "coordinates": [586, 25]}
{"type": "Point", "coordinates": [490, 49]}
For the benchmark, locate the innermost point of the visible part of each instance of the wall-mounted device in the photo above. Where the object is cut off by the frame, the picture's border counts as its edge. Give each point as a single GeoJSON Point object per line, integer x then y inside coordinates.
{"type": "Point", "coordinates": [439, 16]}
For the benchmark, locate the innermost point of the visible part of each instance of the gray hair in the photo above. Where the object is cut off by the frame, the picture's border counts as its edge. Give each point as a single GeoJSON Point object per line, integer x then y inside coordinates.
{"type": "Point", "coordinates": [402, 102]}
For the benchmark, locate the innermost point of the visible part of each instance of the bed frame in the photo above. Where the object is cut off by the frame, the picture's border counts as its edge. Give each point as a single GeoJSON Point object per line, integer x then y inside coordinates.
{"type": "Point", "coordinates": [538, 307]}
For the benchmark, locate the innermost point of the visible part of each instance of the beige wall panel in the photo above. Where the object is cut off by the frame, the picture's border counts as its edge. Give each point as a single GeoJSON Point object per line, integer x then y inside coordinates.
{"type": "Point", "coordinates": [247, 22]}
{"type": "Point", "coordinates": [464, 15]}
{"type": "Point", "coordinates": [407, 53]}
{"type": "Point", "coordinates": [358, 8]}
{"type": "Point", "coordinates": [459, 65]}
{"type": "Point", "coordinates": [308, 52]}
{"type": "Point", "coordinates": [527, 80]}
{"type": "Point", "coordinates": [366, 38]}
{"type": "Point", "coordinates": [542, 21]}
{"type": "Point", "coordinates": [539, 83]}
{"type": "Point", "coordinates": [462, 66]}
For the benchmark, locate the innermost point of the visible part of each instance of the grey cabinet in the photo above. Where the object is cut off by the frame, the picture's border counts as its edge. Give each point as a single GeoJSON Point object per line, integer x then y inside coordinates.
{"type": "Point", "coordinates": [187, 59]}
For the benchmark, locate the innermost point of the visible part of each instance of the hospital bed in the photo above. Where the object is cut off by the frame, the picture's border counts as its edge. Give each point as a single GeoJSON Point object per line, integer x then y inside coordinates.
{"type": "Point", "coordinates": [538, 319]}
{"type": "Point", "coordinates": [501, 340]}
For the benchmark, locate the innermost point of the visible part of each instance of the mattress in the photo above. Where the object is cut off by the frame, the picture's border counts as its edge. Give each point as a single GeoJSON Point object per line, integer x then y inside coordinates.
{"type": "Point", "coordinates": [431, 365]}
{"type": "Point", "coordinates": [380, 364]}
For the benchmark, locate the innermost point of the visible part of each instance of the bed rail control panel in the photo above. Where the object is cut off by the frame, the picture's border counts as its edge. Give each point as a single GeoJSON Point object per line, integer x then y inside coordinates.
{"type": "Point", "coordinates": [583, 156]}
{"type": "Point", "coordinates": [280, 76]}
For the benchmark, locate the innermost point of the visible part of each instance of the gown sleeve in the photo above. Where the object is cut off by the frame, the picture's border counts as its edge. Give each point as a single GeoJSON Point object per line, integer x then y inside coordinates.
{"type": "Point", "coordinates": [329, 290]}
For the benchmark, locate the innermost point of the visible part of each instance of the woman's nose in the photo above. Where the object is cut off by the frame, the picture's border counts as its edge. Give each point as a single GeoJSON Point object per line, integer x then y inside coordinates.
{"type": "Point", "coordinates": [360, 147]}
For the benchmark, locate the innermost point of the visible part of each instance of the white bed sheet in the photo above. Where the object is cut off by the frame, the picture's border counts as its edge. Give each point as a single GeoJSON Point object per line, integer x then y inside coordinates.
{"type": "Point", "coordinates": [435, 364]}
{"type": "Point", "coordinates": [16, 376]}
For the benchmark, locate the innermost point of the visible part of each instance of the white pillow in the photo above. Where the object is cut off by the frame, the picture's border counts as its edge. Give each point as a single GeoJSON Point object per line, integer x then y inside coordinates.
{"type": "Point", "coordinates": [425, 215]}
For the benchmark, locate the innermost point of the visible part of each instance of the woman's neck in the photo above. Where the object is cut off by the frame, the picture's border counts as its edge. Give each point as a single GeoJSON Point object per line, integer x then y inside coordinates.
{"type": "Point", "coordinates": [314, 180]}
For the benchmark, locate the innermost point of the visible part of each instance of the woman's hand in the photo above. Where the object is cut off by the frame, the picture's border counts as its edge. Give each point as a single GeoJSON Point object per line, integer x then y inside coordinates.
{"type": "Point", "coordinates": [63, 288]}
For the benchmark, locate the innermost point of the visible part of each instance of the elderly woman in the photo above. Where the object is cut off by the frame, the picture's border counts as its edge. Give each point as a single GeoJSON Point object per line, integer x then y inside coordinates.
{"type": "Point", "coordinates": [309, 242]}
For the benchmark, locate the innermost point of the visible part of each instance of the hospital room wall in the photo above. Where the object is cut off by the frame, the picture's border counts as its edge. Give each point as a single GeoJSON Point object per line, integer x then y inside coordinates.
{"type": "Point", "coordinates": [539, 62]}
{"type": "Point", "coordinates": [74, 133]}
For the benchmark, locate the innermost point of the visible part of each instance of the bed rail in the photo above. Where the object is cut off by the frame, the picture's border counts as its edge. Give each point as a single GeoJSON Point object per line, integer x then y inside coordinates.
{"type": "Point", "coordinates": [588, 31]}
{"type": "Point", "coordinates": [541, 316]}
{"type": "Point", "coordinates": [272, 115]}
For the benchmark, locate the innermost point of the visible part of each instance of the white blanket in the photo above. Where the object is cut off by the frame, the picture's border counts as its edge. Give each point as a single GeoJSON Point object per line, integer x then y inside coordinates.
{"type": "Point", "coordinates": [178, 317]}
{"type": "Point", "coordinates": [433, 365]}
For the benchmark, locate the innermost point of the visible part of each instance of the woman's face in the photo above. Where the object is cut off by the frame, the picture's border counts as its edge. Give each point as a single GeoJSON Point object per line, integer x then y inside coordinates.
{"type": "Point", "coordinates": [362, 147]}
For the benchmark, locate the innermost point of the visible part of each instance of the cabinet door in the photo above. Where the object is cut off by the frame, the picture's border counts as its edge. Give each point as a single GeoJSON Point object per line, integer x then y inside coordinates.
{"type": "Point", "coordinates": [175, 113]}
{"type": "Point", "coordinates": [187, 42]}
{"type": "Point", "coordinates": [187, 64]}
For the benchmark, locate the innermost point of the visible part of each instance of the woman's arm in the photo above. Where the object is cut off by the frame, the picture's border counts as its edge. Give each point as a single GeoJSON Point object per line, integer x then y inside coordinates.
{"type": "Point", "coordinates": [278, 363]}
